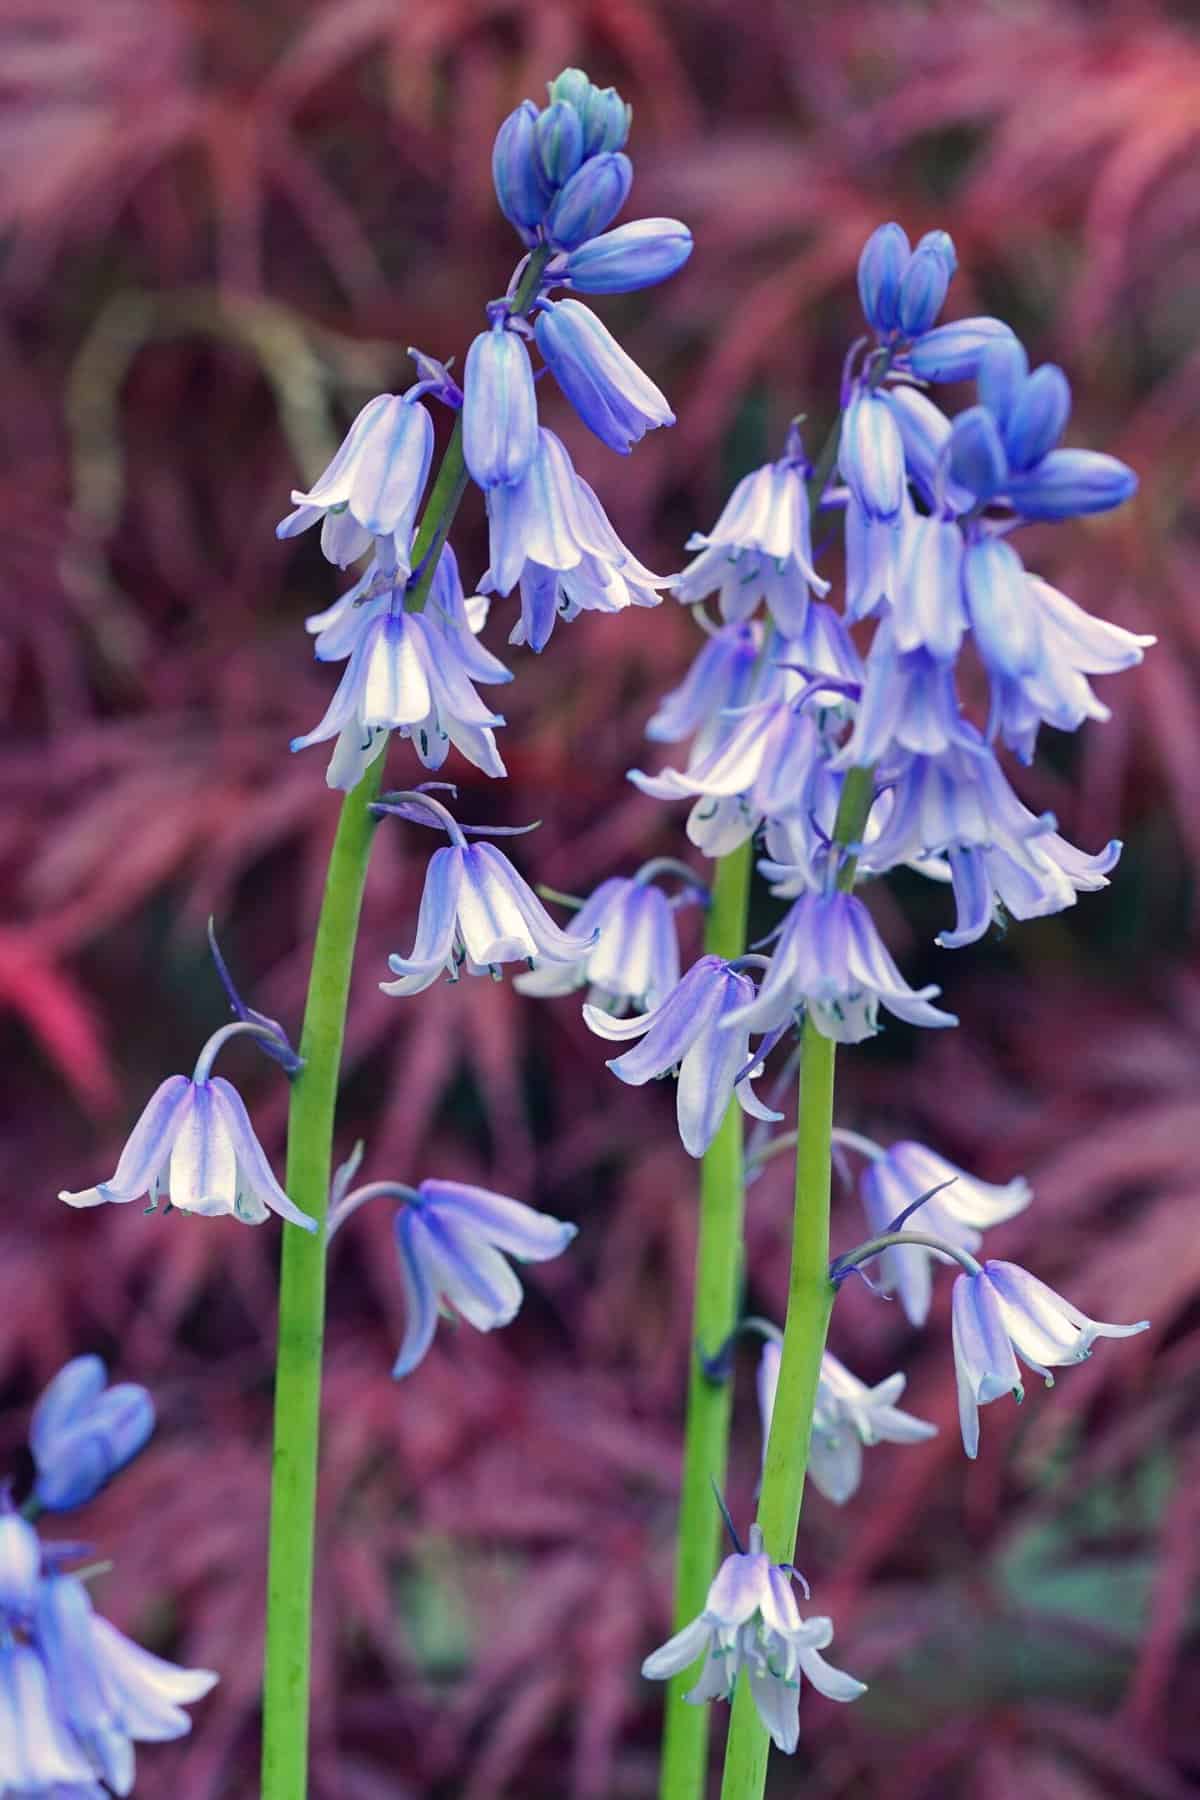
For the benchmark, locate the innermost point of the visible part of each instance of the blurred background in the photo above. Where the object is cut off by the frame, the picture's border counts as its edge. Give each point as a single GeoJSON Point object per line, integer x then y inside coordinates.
{"type": "Point", "coordinates": [222, 226]}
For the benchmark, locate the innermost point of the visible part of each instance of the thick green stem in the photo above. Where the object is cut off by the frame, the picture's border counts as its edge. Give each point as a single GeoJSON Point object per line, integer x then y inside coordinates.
{"type": "Point", "coordinates": [810, 1301]}
{"type": "Point", "coordinates": [715, 1312]}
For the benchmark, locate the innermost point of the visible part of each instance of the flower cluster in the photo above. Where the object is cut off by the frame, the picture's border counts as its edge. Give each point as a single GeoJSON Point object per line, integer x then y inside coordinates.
{"type": "Point", "coordinates": [405, 630]}
{"type": "Point", "coordinates": [751, 1624]}
{"type": "Point", "coordinates": [75, 1694]}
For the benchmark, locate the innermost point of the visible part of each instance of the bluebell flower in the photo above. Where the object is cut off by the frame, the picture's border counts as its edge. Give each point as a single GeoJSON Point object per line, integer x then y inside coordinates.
{"type": "Point", "coordinates": [961, 807]}
{"type": "Point", "coordinates": [38, 1758]}
{"type": "Point", "coordinates": [963, 1208]}
{"type": "Point", "coordinates": [1067, 484]}
{"type": "Point", "coordinates": [411, 673]}
{"type": "Point", "coordinates": [847, 1417]}
{"type": "Point", "coordinates": [612, 396]}
{"type": "Point", "coordinates": [925, 435]}
{"type": "Point", "coordinates": [634, 960]}
{"type": "Point", "coordinates": [953, 352]}
{"type": "Point", "coordinates": [722, 679]}
{"type": "Point", "coordinates": [903, 290]}
{"type": "Point", "coordinates": [476, 910]}
{"type": "Point", "coordinates": [976, 458]}
{"type": "Point", "coordinates": [908, 702]}
{"type": "Point", "coordinates": [829, 960]}
{"type": "Point", "coordinates": [550, 533]}
{"type": "Point", "coordinates": [82, 1431]}
{"type": "Point", "coordinates": [604, 116]}
{"type": "Point", "coordinates": [1070, 646]}
{"type": "Point", "coordinates": [521, 187]}
{"type": "Point", "coordinates": [1002, 1309]}
{"type": "Point", "coordinates": [764, 768]}
{"type": "Point", "coordinates": [194, 1146]}
{"type": "Point", "coordinates": [759, 549]}
{"type": "Point", "coordinates": [633, 256]}
{"type": "Point", "coordinates": [368, 496]}
{"type": "Point", "coordinates": [928, 609]}
{"type": "Point", "coordinates": [20, 1563]}
{"type": "Point", "coordinates": [450, 1237]}
{"type": "Point", "coordinates": [690, 1032]}
{"type": "Point", "coordinates": [764, 758]}
{"type": "Point", "coordinates": [871, 455]}
{"type": "Point", "coordinates": [499, 412]}
{"type": "Point", "coordinates": [586, 204]}
{"type": "Point", "coordinates": [107, 1692]}
{"type": "Point", "coordinates": [558, 141]}
{"type": "Point", "coordinates": [751, 1625]}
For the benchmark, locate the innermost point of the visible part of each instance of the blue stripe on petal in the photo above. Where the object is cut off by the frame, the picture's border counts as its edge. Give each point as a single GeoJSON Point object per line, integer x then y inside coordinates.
{"type": "Point", "coordinates": [509, 1225]}
{"type": "Point", "coordinates": [420, 1294]}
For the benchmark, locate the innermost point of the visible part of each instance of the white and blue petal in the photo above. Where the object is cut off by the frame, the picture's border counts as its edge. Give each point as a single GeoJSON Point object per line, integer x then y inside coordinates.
{"type": "Point", "coordinates": [148, 1147]}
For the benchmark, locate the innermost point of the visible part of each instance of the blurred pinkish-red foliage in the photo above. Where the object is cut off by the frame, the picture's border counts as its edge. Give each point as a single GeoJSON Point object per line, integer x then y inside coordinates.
{"type": "Point", "coordinates": [222, 225]}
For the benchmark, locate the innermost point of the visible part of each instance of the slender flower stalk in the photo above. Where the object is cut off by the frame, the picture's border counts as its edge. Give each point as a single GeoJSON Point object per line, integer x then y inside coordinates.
{"type": "Point", "coordinates": [310, 1155]}
{"type": "Point", "coordinates": [810, 1302]}
{"type": "Point", "coordinates": [709, 1403]}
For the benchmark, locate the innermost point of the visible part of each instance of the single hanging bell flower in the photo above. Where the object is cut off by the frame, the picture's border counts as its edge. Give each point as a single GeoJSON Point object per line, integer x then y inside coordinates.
{"type": "Point", "coordinates": [612, 396]}
{"type": "Point", "coordinates": [368, 496]}
{"type": "Point", "coordinates": [871, 455]}
{"type": "Point", "coordinates": [194, 1146]}
{"type": "Point", "coordinates": [499, 407]}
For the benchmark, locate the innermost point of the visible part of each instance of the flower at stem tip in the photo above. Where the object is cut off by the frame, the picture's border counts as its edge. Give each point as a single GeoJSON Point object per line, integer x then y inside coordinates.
{"type": "Point", "coordinates": [194, 1146]}
{"type": "Point", "coordinates": [1004, 1309]}
{"type": "Point", "coordinates": [449, 1238]}
{"type": "Point", "coordinates": [751, 1624]}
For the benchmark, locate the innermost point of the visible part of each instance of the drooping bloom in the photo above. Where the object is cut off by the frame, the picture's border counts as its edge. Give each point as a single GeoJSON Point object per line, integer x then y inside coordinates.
{"type": "Point", "coordinates": [848, 1416]}
{"type": "Point", "coordinates": [751, 1623]}
{"type": "Point", "coordinates": [450, 1237]}
{"type": "Point", "coordinates": [550, 533]}
{"type": "Point", "coordinates": [499, 412]}
{"type": "Point", "coordinates": [476, 910]}
{"type": "Point", "coordinates": [689, 1031]}
{"type": "Point", "coordinates": [830, 960]}
{"type": "Point", "coordinates": [82, 1431]}
{"type": "Point", "coordinates": [612, 396]}
{"type": "Point", "coordinates": [871, 455]}
{"type": "Point", "coordinates": [1003, 1309]}
{"type": "Point", "coordinates": [195, 1147]}
{"type": "Point", "coordinates": [107, 1691]}
{"type": "Point", "coordinates": [959, 805]}
{"type": "Point", "coordinates": [38, 1758]}
{"type": "Point", "coordinates": [908, 702]}
{"type": "Point", "coordinates": [724, 676]}
{"type": "Point", "coordinates": [962, 1209]}
{"type": "Point", "coordinates": [759, 549]}
{"type": "Point", "coordinates": [20, 1562]}
{"type": "Point", "coordinates": [368, 496]}
{"type": "Point", "coordinates": [411, 673]}
{"type": "Point", "coordinates": [634, 960]}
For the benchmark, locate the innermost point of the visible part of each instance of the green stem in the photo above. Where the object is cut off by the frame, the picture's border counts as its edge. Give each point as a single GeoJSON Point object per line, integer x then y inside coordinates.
{"type": "Point", "coordinates": [302, 1307]}
{"type": "Point", "coordinates": [310, 1155]}
{"type": "Point", "coordinates": [810, 1301]}
{"type": "Point", "coordinates": [715, 1313]}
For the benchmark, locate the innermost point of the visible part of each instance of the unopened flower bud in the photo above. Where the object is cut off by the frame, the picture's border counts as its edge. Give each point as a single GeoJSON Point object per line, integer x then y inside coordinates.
{"type": "Point", "coordinates": [923, 288]}
{"type": "Point", "coordinates": [953, 352]}
{"type": "Point", "coordinates": [559, 138]}
{"type": "Point", "coordinates": [1067, 483]}
{"type": "Point", "coordinates": [633, 256]}
{"type": "Point", "coordinates": [977, 458]}
{"type": "Point", "coordinates": [1039, 417]}
{"type": "Point", "coordinates": [1003, 371]}
{"type": "Point", "coordinates": [881, 266]}
{"type": "Point", "coordinates": [590, 200]}
{"type": "Point", "coordinates": [516, 173]}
